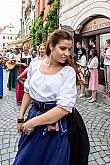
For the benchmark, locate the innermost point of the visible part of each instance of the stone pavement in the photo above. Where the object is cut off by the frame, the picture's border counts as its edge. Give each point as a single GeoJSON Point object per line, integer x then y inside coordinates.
{"type": "Point", "coordinates": [96, 117]}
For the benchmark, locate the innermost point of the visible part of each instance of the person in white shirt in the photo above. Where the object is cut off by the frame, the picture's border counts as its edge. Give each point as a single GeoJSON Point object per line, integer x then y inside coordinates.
{"type": "Point", "coordinates": [52, 87]}
{"type": "Point", "coordinates": [107, 66]}
{"type": "Point", "coordinates": [82, 64]}
{"type": "Point", "coordinates": [13, 68]}
{"type": "Point", "coordinates": [93, 80]}
{"type": "Point", "coordinates": [41, 55]}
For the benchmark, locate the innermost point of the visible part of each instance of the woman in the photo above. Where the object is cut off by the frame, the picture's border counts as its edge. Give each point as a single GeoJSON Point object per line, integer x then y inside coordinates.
{"type": "Point", "coordinates": [41, 55]}
{"type": "Point", "coordinates": [52, 87]}
{"type": "Point", "coordinates": [1, 78]}
{"type": "Point", "coordinates": [93, 81]}
{"type": "Point", "coordinates": [13, 73]}
{"type": "Point", "coordinates": [25, 60]}
{"type": "Point", "coordinates": [82, 64]}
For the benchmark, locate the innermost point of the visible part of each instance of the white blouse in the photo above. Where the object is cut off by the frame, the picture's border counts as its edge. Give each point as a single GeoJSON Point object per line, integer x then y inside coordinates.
{"type": "Point", "coordinates": [59, 87]}
{"type": "Point", "coordinates": [93, 63]}
{"type": "Point", "coordinates": [82, 62]}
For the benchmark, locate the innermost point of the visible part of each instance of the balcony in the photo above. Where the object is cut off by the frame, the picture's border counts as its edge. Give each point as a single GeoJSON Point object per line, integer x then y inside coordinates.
{"type": "Point", "coordinates": [49, 2]}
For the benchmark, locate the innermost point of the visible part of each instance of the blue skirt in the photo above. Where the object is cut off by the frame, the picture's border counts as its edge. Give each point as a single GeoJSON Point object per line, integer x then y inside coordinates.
{"type": "Point", "coordinates": [1, 81]}
{"type": "Point", "coordinates": [43, 147]}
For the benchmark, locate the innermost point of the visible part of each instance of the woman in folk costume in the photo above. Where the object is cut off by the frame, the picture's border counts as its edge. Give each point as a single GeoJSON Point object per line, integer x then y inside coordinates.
{"type": "Point", "coordinates": [52, 87]}
{"type": "Point", "coordinates": [41, 55]}
{"type": "Point", "coordinates": [1, 78]}
{"type": "Point", "coordinates": [25, 60]}
{"type": "Point", "coordinates": [13, 68]}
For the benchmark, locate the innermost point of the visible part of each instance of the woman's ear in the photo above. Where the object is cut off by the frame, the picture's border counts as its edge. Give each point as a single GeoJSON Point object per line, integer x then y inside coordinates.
{"type": "Point", "coordinates": [50, 46]}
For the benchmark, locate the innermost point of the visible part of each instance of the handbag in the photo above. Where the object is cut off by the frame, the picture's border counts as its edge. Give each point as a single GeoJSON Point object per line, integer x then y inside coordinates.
{"type": "Point", "coordinates": [86, 72]}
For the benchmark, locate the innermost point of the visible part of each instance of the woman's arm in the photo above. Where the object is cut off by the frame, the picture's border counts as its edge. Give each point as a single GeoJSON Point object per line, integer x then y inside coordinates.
{"type": "Point", "coordinates": [19, 63]}
{"type": "Point", "coordinates": [50, 117]}
{"type": "Point", "coordinates": [23, 73]}
{"type": "Point", "coordinates": [25, 103]}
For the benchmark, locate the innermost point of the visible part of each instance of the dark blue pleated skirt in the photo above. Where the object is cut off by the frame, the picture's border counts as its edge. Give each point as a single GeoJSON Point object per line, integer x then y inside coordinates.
{"type": "Point", "coordinates": [43, 147]}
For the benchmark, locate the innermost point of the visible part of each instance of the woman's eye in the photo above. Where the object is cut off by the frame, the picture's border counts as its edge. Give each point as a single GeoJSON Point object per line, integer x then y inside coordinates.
{"type": "Point", "coordinates": [69, 49]}
{"type": "Point", "coordinates": [62, 48]}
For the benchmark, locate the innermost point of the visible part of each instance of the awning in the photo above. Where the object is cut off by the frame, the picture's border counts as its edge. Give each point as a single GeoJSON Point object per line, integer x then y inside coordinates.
{"type": "Point", "coordinates": [19, 42]}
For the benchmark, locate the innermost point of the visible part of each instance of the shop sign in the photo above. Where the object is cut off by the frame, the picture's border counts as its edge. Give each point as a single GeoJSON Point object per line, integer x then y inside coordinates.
{"type": "Point", "coordinates": [96, 24]}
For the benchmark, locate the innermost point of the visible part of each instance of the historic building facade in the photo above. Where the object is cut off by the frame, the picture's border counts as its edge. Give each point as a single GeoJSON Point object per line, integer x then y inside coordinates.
{"type": "Point", "coordinates": [87, 19]}
{"type": "Point", "coordinates": [7, 34]}
{"type": "Point", "coordinates": [42, 8]}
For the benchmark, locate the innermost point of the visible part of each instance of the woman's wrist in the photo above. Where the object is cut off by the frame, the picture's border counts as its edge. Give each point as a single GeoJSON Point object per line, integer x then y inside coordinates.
{"type": "Point", "coordinates": [20, 120]}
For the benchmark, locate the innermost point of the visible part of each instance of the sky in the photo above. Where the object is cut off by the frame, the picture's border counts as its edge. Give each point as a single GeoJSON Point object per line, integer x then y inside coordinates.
{"type": "Point", "coordinates": [10, 12]}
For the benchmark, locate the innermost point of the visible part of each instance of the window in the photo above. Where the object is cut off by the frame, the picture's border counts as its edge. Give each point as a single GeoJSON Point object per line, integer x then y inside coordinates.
{"type": "Point", "coordinates": [3, 37]}
{"type": "Point", "coordinates": [10, 38]}
{"type": "Point", "coordinates": [38, 8]}
{"type": "Point", "coordinates": [3, 44]}
{"type": "Point", "coordinates": [43, 4]}
{"type": "Point", "coordinates": [49, 2]}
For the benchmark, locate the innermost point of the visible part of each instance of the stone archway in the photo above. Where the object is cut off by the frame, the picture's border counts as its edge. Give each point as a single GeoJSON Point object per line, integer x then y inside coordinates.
{"type": "Point", "coordinates": [96, 8]}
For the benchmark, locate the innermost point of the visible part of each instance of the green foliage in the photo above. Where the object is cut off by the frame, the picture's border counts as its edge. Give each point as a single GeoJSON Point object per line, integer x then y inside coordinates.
{"type": "Point", "coordinates": [36, 32]}
{"type": "Point", "coordinates": [52, 20]}
{"type": "Point", "coordinates": [40, 33]}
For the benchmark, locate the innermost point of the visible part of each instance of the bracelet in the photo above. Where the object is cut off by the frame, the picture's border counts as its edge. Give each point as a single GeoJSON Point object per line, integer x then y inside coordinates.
{"type": "Point", "coordinates": [20, 120]}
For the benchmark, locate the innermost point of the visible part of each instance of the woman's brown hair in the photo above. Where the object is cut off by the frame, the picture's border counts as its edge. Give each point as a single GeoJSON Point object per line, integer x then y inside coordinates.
{"type": "Point", "coordinates": [54, 39]}
{"type": "Point", "coordinates": [94, 52]}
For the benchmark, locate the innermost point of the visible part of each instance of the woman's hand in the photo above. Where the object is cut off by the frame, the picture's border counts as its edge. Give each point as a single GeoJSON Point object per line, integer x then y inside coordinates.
{"type": "Point", "coordinates": [19, 77]}
{"type": "Point", "coordinates": [24, 64]}
{"type": "Point", "coordinates": [28, 127]}
{"type": "Point", "coordinates": [19, 126]}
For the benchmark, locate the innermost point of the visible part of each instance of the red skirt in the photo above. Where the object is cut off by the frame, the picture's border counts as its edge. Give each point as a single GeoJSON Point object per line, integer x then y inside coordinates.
{"type": "Point", "coordinates": [20, 88]}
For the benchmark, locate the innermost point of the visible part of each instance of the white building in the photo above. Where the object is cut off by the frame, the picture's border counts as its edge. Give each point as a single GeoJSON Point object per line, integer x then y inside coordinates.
{"type": "Point", "coordinates": [7, 34]}
{"type": "Point", "coordinates": [87, 19]}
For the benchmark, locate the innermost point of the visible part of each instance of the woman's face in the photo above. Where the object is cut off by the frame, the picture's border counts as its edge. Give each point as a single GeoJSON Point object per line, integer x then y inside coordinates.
{"type": "Point", "coordinates": [107, 45]}
{"type": "Point", "coordinates": [61, 51]}
{"type": "Point", "coordinates": [42, 50]}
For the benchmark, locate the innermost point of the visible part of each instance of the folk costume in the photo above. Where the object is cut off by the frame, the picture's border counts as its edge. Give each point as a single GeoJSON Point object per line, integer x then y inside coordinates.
{"type": "Point", "coordinates": [20, 89]}
{"type": "Point", "coordinates": [13, 73]}
{"type": "Point", "coordinates": [44, 147]}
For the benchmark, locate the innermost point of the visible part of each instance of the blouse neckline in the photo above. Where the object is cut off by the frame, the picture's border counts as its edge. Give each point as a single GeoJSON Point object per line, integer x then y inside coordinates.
{"type": "Point", "coordinates": [51, 74]}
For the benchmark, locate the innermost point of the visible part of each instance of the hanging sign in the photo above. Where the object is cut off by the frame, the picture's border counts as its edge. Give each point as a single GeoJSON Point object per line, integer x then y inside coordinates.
{"type": "Point", "coordinates": [96, 24]}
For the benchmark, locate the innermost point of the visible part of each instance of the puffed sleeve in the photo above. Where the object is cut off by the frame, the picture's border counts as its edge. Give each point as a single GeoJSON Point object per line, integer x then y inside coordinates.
{"type": "Point", "coordinates": [68, 92]}
{"type": "Point", "coordinates": [26, 83]}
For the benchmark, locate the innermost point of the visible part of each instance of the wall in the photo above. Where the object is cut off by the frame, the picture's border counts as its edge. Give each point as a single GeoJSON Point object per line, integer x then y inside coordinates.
{"type": "Point", "coordinates": [76, 13]}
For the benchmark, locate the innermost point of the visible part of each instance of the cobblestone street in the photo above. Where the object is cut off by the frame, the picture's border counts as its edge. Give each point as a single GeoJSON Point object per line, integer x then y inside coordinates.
{"type": "Point", "coordinates": [96, 117]}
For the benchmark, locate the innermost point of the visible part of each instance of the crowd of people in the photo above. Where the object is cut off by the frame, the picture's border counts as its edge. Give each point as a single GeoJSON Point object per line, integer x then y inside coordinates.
{"type": "Point", "coordinates": [20, 58]}
{"type": "Point", "coordinates": [17, 62]}
{"type": "Point", "coordinates": [49, 83]}
{"type": "Point", "coordinates": [88, 60]}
